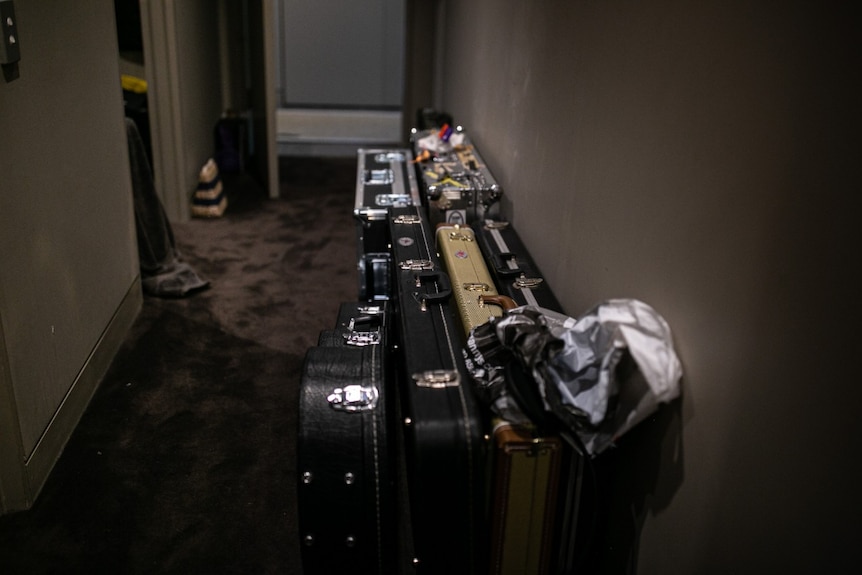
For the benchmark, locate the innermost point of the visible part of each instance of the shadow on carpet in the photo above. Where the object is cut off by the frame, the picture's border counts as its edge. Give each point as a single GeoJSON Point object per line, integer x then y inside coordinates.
{"type": "Point", "coordinates": [184, 461]}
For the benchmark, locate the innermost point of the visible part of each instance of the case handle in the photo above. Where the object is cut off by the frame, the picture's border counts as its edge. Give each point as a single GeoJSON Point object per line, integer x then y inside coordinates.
{"type": "Point", "coordinates": [502, 264]}
{"type": "Point", "coordinates": [502, 301]}
{"type": "Point", "coordinates": [444, 286]}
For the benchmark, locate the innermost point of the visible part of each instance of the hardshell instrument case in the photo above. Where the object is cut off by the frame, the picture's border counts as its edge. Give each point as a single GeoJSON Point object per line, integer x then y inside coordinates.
{"type": "Point", "coordinates": [526, 475]}
{"type": "Point", "coordinates": [513, 269]}
{"type": "Point", "coordinates": [529, 464]}
{"type": "Point", "coordinates": [458, 186]}
{"type": "Point", "coordinates": [443, 425]}
{"type": "Point", "coordinates": [384, 178]}
{"type": "Point", "coordinates": [347, 507]}
{"type": "Point", "coordinates": [517, 276]}
{"type": "Point", "coordinates": [471, 280]}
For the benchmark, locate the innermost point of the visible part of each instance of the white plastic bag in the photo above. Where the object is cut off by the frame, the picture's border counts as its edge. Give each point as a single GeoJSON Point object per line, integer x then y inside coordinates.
{"type": "Point", "coordinates": [578, 367]}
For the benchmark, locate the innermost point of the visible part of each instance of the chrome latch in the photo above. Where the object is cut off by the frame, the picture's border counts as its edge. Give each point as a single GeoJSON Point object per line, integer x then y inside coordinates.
{"type": "Point", "coordinates": [397, 200]}
{"type": "Point", "coordinates": [379, 177]}
{"type": "Point", "coordinates": [524, 282]}
{"type": "Point", "coordinates": [437, 378]}
{"type": "Point", "coordinates": [362, 338]}
{"type": "Point", "coordinates": [353, 398]}
{"type": "Point", "coordinates": [496, 224]}
{"type": "Point", "coordinates": [368, 309]}
{"type": "Point", "coordinates": [384, 157]}
{"type": "Point", "coordinates": [476, 286]}
{"type": "Point", "coordinates": [417, 265]}
{"type": "Point", "coordinates": [460, 236]}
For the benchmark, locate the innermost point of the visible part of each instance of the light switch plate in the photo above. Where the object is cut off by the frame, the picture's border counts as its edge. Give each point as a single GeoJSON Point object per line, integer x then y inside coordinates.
{"type": "Point", "coordinates": [10, 51]}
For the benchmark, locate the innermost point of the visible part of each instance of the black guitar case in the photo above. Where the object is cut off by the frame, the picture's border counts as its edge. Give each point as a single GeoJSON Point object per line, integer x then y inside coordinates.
{"type": "Point", "coordinates": [346, 490]}
{"type": "Point", "coordinates": [443, 425]}
{"type": "Point", "coordinates": [513, 269]}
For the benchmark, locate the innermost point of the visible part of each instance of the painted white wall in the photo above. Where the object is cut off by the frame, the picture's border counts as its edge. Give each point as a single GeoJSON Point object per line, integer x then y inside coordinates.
{"type": "Point", "coordinates": [699, 157]}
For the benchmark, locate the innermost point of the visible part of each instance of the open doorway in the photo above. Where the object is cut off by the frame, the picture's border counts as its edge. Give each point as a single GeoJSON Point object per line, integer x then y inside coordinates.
{"type": "Point", "coordinates": [341, 72]}
{"type": "Point", "coordinates": [201, 58]}
{"type": "Point", "coordinates": [130, 42]}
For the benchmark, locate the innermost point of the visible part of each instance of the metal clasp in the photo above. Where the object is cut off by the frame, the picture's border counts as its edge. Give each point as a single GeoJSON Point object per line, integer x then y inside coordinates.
{"type": "Point", "coordinates": [417, 265]}
{"type": "Point", "coordinates": [460, 236]}
{"type": "Point", "coordinates": [397, 200]}
{"type": "Point", "coordinates": [367, 309]}
{"type": "Point", "coordinates": [353, 398]}
{"type": "Point", "coordinates": [496, 224]}
{"type": "Point", "coordinates": [437, 378]}
{"type": "Point", "coordinates": [476, 286]}
{"type": "Point", "coordinates": [524, 282]}
{"type": "Point", "coordinates": [389, 157]}
{"type": "Point", "coordinates": [379, 177]}
{"type": "Point", "coordinates": [362, 338]}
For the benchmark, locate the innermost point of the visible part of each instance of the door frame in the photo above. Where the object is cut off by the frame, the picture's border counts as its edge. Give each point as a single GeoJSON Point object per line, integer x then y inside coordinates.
{"type": "Point", "coordinates": [175, 174]}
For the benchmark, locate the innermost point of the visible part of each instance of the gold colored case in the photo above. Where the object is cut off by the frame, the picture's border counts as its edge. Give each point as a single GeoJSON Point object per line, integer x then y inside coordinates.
{"type": "Point", "coordinates": [526, 477]}
{"type": "Point", "coordinates": [468, 273]}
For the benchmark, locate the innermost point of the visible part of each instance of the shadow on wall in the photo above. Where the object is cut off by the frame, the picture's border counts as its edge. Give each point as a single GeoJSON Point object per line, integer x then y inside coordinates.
{"type": "Point", "coordinates": [640, 476]}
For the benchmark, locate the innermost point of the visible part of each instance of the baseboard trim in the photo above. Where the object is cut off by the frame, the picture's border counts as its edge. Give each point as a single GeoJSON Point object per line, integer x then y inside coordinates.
{"type": "Point", "coordinates": [13, 479]}
{"type": "Point", "coordinates": [322, 126]}
{"type": "Point", "coordinates": [325, 150]}
{"type": "Point", "coordinates": [50, 446]}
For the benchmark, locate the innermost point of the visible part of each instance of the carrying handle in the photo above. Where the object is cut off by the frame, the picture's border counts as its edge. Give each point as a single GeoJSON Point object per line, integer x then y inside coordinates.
{"type": "Point", "coordinates": [444, 286]}
{"type": "Point", "coordinates": [502, 266]}
{"type": "Point", "coordinates": [502, 301]}
{"type": "Point", "coordinates": [365, 321]}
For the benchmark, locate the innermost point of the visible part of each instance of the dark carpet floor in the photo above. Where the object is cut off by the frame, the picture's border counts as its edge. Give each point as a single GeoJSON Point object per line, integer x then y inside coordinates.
{"type": "Point", "coordinates": [184, 461]}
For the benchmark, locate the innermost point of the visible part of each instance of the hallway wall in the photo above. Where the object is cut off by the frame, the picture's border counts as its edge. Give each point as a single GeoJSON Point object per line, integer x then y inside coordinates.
{"type": "Point", "coordinates": [698, 157]}
{"type": "Point", "coordinates": [69, 284]}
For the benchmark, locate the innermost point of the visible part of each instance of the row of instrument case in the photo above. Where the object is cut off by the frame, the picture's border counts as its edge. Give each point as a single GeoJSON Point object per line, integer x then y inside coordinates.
{"type": "Point", "coordinates": [402, 465]}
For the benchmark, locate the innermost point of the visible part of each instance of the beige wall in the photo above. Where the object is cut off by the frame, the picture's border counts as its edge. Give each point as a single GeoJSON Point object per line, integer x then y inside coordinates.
{"type": "Point", "coordinates": [68, 257]}
{"type": "Point", "coordinates": [69, 285]}
{"type": "Point", "coordinates": [699, 157]}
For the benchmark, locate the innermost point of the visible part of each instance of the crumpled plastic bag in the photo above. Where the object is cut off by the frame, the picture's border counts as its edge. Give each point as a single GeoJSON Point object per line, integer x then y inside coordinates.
{"type": "Point", "coordinates": [597, 375]}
